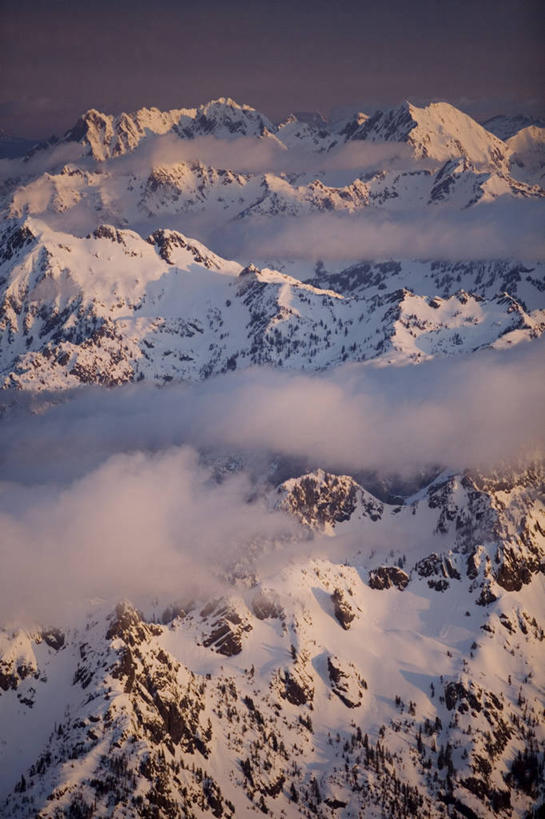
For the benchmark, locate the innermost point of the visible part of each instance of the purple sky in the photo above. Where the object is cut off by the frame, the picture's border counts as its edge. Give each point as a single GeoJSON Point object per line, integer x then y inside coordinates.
{"type": "Point", "coordinates": [60, 57]}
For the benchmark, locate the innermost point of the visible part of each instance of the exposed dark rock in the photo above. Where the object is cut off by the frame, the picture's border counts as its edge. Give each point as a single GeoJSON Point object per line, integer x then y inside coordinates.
{"type": "Point", "coordinates": [342, 608]}
{"type": "Point", "coordinates": [321, 498]}
{"type": "Point", "coordinates": [128, 625]}
{"type": "Point", "coordinates": [436, 564]}
{"type": "Point", "coordinates": [335, 804]}
{"type": "Point", "coordinates": [296, 690]}
{"type": "Point", "coordinates": [526, 773]}
{"type": "Point", "coordinates": [384, 577]}
{"type": "Point", "coordinates": [166, 241]}
{"type": "Point", "coordinates": [12, 674]}
{"type": "Point", "coordinates": [54, 638]}
{"type": "Point", "coordinates": [343, 684]}
{"type": "Point", "coordinates": [173, 611]}
{"type": "Point", "coordinates": [8, 681]}
{"type": "Point", "coordinates": [109, 232]}
{"type": "Point", "coordinates": [487, 596]}
{"type": "Point", "coordinates": [14, 241]}
{"type": "Point", "coordinates": [457, 694]}
{"type": "Point", "coordinates": [226, 630]}
{"type": "Point", "coordinates": [517, 566]}
{"type": "Point", "coordinates": [249, 270]}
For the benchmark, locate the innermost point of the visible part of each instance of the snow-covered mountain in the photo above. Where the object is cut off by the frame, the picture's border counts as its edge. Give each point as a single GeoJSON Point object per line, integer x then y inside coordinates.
{"type": "Point", "coordinates": [359, 685]}
{"type": "Point", "coordinates": [438, 131]}
{"type": "Point", "coordinates": [117, 170]}
{"type": "Point", "coordinates": [105, 135]}
{"type": "Point", "coordinates": [191, 188]}
{"type": "Point", "coordinates": [113, 308]}
{"type": "Point", "coordinates": [380, 654]}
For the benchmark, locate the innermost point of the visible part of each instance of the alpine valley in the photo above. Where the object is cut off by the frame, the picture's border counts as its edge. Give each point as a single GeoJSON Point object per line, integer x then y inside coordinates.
{"type": "Point", "coordinates": [217, 598]}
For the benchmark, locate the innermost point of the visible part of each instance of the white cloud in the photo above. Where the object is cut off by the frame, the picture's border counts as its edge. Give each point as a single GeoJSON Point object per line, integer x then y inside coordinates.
{"type": "Point", "coordinates": [104, 497]}
{"type": "Point", "coordinates": [462, 412]}
{"type": "Point", "coordinates": [137, 526]}
{"type": "Point", "coordinates": [493, 231]}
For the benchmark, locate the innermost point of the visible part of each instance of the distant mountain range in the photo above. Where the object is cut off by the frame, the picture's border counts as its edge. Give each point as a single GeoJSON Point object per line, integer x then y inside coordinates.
{"type": "Point", "coordinates": [113, 307]}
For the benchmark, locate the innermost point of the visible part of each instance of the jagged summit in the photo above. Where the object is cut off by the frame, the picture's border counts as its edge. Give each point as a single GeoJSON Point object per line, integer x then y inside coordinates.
{"type": "Point", "coordinates": [437, 131]}
{"type": "Point", "coordinates": [226, 102]}
{"type": "Point", "coordinates": [322, 500]}
{"type": "Point", "coordinates": [348, 126]}
{"type": "Point", "coordinates": [108, 135]}
{"type": "Point", "coordinates": [225, 118]}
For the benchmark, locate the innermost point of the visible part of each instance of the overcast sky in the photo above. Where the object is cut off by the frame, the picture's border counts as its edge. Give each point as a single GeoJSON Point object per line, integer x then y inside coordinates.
{"type": "Point", "coordinates": [60, 57]}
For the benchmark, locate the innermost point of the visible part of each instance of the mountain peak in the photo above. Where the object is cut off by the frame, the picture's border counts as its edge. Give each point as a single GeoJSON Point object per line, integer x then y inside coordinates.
{"type": "Point", "coordinates": [436, 131]}
{"type": "Point", "coordinates": [225, 118]}
{"type": "Point", "coordinates": [226, 102]}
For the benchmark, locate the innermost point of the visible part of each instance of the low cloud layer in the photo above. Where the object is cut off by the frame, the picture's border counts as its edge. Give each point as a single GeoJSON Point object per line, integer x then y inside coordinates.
{"type": "Point", "coordinates": [504, 228]}
{"type": "Point", "coordinates": [41, 161]}
{"type": "Point", "coordinates": [104, 493]}
{"type": "Point", "coordinates": [137, 526]}
{"type": "Point", "coordinates": [508, 227]}
{"type": "Point", "coordinates": [498, 230]}
{"type": "Point", "coordinates": [243, 155]}
{"type": "Point", "coordinates": [266, 155]}
{"type": "Point", "coordinates": [459, 413]}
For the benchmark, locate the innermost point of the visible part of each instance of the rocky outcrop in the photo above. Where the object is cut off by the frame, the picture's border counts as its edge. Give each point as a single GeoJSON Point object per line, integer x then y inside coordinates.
{"type": "Point", "coordinates": [346, 683]}
{"type": "Point", "coordinates": [321, 499]}
{"type": "Point", "coordinates": [384, 577]}
{"type": "Point", "coordinates": [343, 609]}
{"type": "Point", "coordinates": [438, 569]}
{"type": "Point", "coordinates": [226, 628]}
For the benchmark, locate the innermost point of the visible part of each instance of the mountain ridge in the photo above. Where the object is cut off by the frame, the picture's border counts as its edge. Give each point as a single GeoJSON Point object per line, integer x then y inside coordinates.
{"type": "Point", "coordinates": [109, 135]}
{"type": "Point", "coordinates": [176, 310]}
